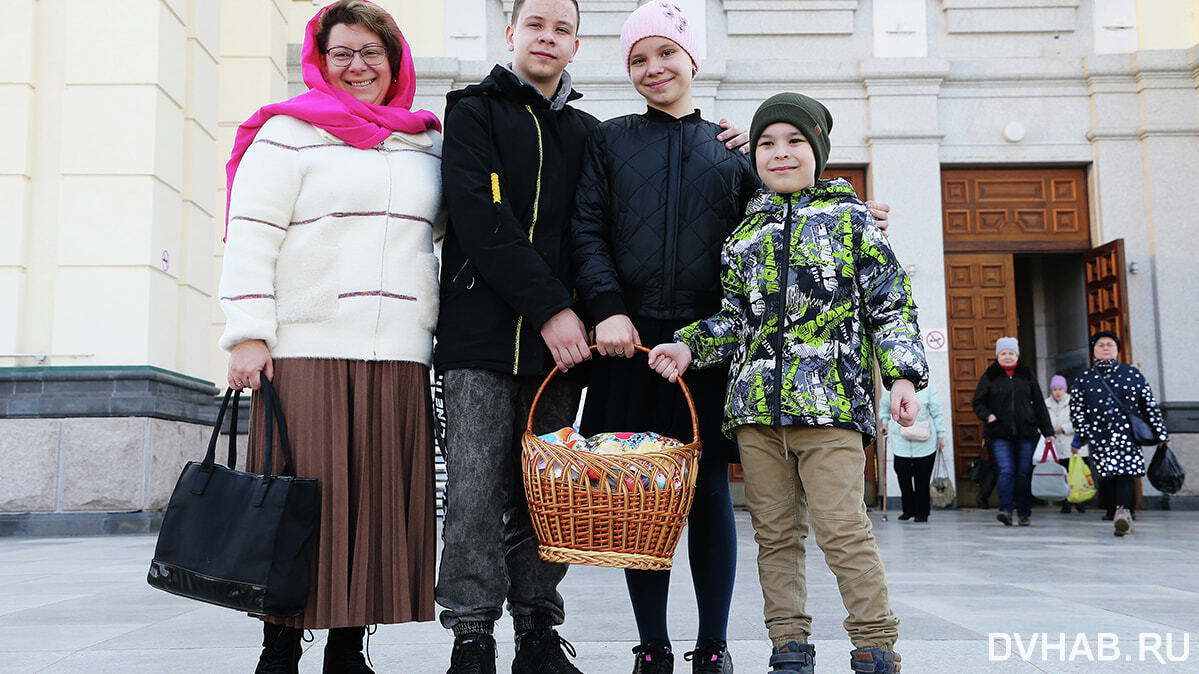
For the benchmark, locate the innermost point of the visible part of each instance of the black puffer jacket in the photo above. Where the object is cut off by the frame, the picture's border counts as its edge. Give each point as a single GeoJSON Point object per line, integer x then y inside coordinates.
{"type": "Point", "coordinates": [656, 200]}
{"type": "Point", "coordinates": [506, 266]}
{"type": "Point", "coordinates": [1016, 402]}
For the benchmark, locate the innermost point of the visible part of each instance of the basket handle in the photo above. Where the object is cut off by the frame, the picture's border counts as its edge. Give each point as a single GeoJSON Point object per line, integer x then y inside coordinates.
{"type": "Point", "coordinates": [642, 349]}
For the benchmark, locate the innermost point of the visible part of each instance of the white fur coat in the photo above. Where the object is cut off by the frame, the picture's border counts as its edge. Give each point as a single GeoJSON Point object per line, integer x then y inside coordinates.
{"type": "Point", "coordinates": [330, 248]}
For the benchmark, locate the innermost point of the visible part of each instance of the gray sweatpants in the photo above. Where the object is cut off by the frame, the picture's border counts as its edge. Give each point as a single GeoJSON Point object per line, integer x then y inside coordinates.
{"type": "Point", "coordinates": [490, 551]}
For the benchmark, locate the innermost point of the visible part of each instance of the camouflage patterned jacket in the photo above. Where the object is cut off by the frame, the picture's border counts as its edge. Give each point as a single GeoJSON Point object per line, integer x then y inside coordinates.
{"type": "Point", "coordinates": [801, 332]}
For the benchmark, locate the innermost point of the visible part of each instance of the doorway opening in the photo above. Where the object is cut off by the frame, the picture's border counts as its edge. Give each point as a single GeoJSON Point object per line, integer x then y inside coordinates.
{"type": "Point", "coordinates": [1051, 314]}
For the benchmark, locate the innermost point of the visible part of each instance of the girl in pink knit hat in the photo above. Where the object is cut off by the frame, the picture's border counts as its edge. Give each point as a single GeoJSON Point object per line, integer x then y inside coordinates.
{"type": "Point", "coordinates": [657, 197]}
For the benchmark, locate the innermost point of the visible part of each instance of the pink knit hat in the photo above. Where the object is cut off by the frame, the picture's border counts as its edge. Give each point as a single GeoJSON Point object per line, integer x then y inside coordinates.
{"type": "Point", "coordinates": [659, 18]}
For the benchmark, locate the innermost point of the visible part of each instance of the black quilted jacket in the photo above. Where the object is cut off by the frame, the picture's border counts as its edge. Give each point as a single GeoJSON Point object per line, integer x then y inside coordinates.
{"type": "Point", "coordinates": [655, 202]}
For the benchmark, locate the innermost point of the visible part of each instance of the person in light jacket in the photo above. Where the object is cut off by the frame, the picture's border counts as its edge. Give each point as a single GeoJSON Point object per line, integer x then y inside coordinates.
{"type": "Point", "coordinates": [1058, 404]}
{"type": "Point", "coordinates": [329, 290]}
{"type": "Point", "coordinates": [914, 459]}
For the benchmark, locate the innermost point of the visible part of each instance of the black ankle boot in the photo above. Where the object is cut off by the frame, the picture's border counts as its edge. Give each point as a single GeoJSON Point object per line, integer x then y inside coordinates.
{"type": "Point", "coordinates": [281, 650]}
{"type": "Point", "coordinates": [540, 651]}
{"type": "Point", "coordinates": [343, 652]}
{"type": "Point", "coordinates": [474, 653]}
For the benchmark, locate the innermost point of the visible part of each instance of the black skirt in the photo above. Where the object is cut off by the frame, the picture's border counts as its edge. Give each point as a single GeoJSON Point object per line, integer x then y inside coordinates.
{"type": "Point", "coordinates": [625, 395]}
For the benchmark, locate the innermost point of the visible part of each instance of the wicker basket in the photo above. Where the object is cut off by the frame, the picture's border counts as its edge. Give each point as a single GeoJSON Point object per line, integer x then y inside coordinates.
{"type": "Point", "coordinates": [609, 510]}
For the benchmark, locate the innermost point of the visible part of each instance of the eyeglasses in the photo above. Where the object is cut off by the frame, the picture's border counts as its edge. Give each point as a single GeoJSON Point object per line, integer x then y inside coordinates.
{"type": "Point", "coordinates": [372, 55]}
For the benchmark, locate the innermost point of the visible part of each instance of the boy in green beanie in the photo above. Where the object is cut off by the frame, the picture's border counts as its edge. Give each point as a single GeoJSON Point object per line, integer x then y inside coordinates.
{"type": "Point", "coordinates": [812, 292]}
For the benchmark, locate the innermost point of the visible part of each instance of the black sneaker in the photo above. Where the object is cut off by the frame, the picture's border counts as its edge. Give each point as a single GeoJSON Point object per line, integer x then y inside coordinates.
{"type": "Point", "coordinates": [542, 651]}
{"type": "Point", "coordinates": [711, 656]}
{"type": "Point", "coordinates": [1005, 516]}
{"type": "Point", "coordinates": [653, 657]}
{"type": "Point", "coordinates": [794, 657]}
{"type": "Point", "coordinates": [473, 654]}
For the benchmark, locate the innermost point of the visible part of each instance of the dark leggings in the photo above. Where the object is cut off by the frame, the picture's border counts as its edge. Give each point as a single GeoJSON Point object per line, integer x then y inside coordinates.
{"type": "Point", "coordinates": [1123, 491]}
{"type": "Point", "coordinates": [712, 551]}
{"type": "Point", "coordinates": [914, 475]}
{"type": "Point", "coordinates": [1117, 491]}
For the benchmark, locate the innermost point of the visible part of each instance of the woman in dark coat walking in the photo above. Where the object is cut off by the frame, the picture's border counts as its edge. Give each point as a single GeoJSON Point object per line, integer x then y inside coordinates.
{"type": "Point", "coordinates": [1101, 422]}
{"type": "Point", "coordinates": [1009, 402]}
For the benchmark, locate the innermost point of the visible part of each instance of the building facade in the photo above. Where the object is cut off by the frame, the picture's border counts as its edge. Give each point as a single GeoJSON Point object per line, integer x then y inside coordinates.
{"type": "Point", "coordinates": [1039, 156]}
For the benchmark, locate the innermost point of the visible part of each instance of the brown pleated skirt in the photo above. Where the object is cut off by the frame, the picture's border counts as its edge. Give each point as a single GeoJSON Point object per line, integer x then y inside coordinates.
{"type": "Point", "coordinates": [365, 430]}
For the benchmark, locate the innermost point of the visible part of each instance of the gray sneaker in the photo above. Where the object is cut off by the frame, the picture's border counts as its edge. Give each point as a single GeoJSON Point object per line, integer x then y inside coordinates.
{"type": "Point", "coordinates": [794, 657]}
{"type": "Point", "coordinates": [873, 661]}
{"type": "Point", "coordinates": [1122, 522]}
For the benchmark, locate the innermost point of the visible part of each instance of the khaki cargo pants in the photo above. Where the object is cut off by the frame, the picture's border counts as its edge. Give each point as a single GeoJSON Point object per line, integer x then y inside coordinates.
{"type": "Point", "coordinates": [793, 473]}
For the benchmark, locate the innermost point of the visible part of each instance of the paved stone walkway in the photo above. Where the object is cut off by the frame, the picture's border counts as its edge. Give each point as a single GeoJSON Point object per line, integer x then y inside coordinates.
{"type": "Point", "coordinates": [82, 605]}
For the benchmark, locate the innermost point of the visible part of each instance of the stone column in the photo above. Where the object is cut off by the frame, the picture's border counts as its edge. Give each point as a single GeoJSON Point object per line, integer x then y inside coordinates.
{"type": "Point", "coordinates": [121, 248]}
{"type": "Point", "coordinates": [1119, 193]}
{"type": "Point", "coordinates": [1169, 133]}
{"type": "Point", "coordinates": [253, 72]}
{"type": "Point", "coordinates": [17, 96]}
{"type": "Point", "coordinates": [904, 142]}
{"type": "Point", "coordinates": [112, 218]}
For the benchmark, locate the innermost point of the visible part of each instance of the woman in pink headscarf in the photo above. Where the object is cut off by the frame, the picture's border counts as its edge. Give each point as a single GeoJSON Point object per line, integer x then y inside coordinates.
{"type": "Point", "coordinates": [329, 290]}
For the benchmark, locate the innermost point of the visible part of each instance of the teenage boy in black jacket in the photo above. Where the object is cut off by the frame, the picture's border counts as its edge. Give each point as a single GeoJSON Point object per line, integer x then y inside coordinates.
{"type": "Point", "coordinates": [510, 161]}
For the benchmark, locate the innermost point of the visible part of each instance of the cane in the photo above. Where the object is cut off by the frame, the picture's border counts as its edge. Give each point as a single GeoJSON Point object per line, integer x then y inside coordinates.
{"type": "Point", "coordinates": [880, 445]}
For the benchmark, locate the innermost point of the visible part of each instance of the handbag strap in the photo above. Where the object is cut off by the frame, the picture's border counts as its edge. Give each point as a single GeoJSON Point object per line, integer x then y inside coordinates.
{"type": "Point", "coordinates": [939, 469]}
{"type": "Point", "coordinates": [1119, 401]}
{"type": "Point", "coordinates": [274, 415]}
{"type": "Point", "coordinates": [210, 455]}
{"type": "Point", "coordinates": [1049, 449]}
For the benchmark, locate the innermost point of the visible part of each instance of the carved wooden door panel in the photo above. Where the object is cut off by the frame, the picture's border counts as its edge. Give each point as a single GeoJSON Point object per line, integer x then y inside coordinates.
{"type": "Point", "coordinates": [980, 300]}
{"type": "Point", "coordinates": [855, 175]}
{"type": "Point", "coordinates": [1035, 210]}
{"type": "Point", "coordinates": [1107, 293]}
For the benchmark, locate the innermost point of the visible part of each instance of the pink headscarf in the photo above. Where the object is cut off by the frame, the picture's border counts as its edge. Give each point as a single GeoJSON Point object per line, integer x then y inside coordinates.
{"type": "Point", "coordinates": [362, 125]}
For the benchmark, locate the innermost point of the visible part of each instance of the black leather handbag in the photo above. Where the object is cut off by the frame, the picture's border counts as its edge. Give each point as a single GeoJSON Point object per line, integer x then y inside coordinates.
{"type": "Point", "coordinates": [236, 539]}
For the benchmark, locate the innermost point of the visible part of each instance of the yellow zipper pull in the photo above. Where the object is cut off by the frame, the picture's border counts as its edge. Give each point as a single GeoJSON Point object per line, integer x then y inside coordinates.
{"type": "Point", "coordinates": [495, 188]}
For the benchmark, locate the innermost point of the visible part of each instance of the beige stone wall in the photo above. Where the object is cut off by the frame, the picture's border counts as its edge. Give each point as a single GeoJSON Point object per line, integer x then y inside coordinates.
{"type": "Point", "coordinates": [107, 196]}
{"type": "Point", "coordinates": [97, 465]}
{"type": "Point", "coordinates": [1168, 24]}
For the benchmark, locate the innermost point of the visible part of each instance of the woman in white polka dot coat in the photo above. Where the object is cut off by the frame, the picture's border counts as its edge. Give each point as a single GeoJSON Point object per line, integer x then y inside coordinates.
{"type": "Point", "coordinates": [1100, 421]}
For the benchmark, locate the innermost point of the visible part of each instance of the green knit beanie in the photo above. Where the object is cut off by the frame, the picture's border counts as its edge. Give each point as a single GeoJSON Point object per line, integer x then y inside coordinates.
{"type": "Point", "coordinates": [804, 113]}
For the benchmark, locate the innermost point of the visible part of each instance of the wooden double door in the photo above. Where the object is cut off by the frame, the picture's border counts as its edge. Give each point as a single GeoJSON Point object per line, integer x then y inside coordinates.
{"type": "Point", "coordinates": [989, 217]}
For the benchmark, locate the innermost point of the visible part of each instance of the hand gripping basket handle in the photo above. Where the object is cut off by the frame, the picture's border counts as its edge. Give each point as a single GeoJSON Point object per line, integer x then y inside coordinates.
{"type": "Point", "coordinates": [642, 349]}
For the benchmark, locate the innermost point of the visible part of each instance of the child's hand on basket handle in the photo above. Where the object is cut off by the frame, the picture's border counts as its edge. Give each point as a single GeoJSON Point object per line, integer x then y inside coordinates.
{"type": "Point", "coordinates": [904, 405]}
{"type": "Point", "coordinates": [670, 360]}
{"type": "Point", "coordinates": [616, 336]}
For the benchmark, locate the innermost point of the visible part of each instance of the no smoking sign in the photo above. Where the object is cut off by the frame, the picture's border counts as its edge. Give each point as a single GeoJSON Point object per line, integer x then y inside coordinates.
{"type": "Point", "coordinates": [934, 340]}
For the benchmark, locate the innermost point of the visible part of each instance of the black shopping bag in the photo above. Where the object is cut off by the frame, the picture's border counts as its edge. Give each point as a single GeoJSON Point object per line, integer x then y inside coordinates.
{"type": "Point", "coordinates": [1165, 474]}
{"type": "Point", "coordinates": [240, 540]}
